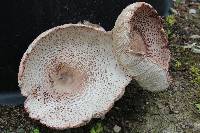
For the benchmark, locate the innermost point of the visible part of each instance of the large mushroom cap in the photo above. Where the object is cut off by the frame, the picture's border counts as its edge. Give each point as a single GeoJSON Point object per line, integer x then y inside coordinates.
{"type": "Point", "coordinates": [69, 75]}
{"type": "Point", "coordinates": [140, 44]}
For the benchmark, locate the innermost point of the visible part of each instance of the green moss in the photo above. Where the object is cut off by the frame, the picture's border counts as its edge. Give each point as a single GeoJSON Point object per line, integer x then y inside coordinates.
{"type": "Point", "coordinates": [178, 2]}
{"type": "Point", "coordinates": [185, 56]}
{"type": "Point", "coordinates": [196, 80]}
{"type": "Point", "coordinates": [35, 130]}
{"type": "Point", "coordinates": [170, 20]}
{"type": "Point", "coordinates": [98, 128]}
{"type": "Point", "coordinates": [169, 33]}
{"type": "Point", "coordinates": [187, 62]}
{"type": "Point", "coordinates": [178, 64]}
{"type": "Point", "coordinates": [195, 72]}
{"type": "Point", "coordinates": [198, 106]}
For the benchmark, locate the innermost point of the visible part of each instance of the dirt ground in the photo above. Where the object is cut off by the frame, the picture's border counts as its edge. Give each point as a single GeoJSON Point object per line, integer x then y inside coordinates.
{"type": "Point", "coordinates": [138, 111]}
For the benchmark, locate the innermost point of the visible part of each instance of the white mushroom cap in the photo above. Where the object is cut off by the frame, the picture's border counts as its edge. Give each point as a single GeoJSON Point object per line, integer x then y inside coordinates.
{"type": "Point", "coordinates": [70, 75]}
{"type": "Point", "coordinates": [140, 44]}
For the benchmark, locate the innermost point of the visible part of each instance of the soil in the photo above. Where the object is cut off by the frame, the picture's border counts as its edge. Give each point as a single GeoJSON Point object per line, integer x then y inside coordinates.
{"type": "Point", "coordinates": [140, 111]}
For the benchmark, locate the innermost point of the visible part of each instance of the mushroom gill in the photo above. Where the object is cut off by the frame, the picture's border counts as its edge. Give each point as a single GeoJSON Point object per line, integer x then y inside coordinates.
{"type": "Point", "coordinates": [69, 75]}
{"type": "Point", "coordinates": [140, 46]}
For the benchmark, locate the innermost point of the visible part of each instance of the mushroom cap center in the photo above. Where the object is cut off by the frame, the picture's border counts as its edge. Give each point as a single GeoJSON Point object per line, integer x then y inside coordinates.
{"type": "Point", "coordinates": [66, 79]}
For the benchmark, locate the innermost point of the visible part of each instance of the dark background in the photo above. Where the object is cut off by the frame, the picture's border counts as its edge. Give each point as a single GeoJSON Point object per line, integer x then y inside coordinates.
{"type": "Point", "coordinates": [23, 20]}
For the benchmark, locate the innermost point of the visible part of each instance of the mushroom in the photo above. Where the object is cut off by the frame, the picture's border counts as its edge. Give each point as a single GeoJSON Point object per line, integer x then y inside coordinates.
{"type": "Point", "coordinates": [140, 46]}
{"type": "Point", "coordinates": [69, 75]}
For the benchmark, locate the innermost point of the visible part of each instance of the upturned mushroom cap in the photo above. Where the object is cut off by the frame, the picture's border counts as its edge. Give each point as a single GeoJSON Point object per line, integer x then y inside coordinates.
{"type": "Point", "coordinates": [70, 75]}
{"type": "Point", "coordinates": [140, 45]}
